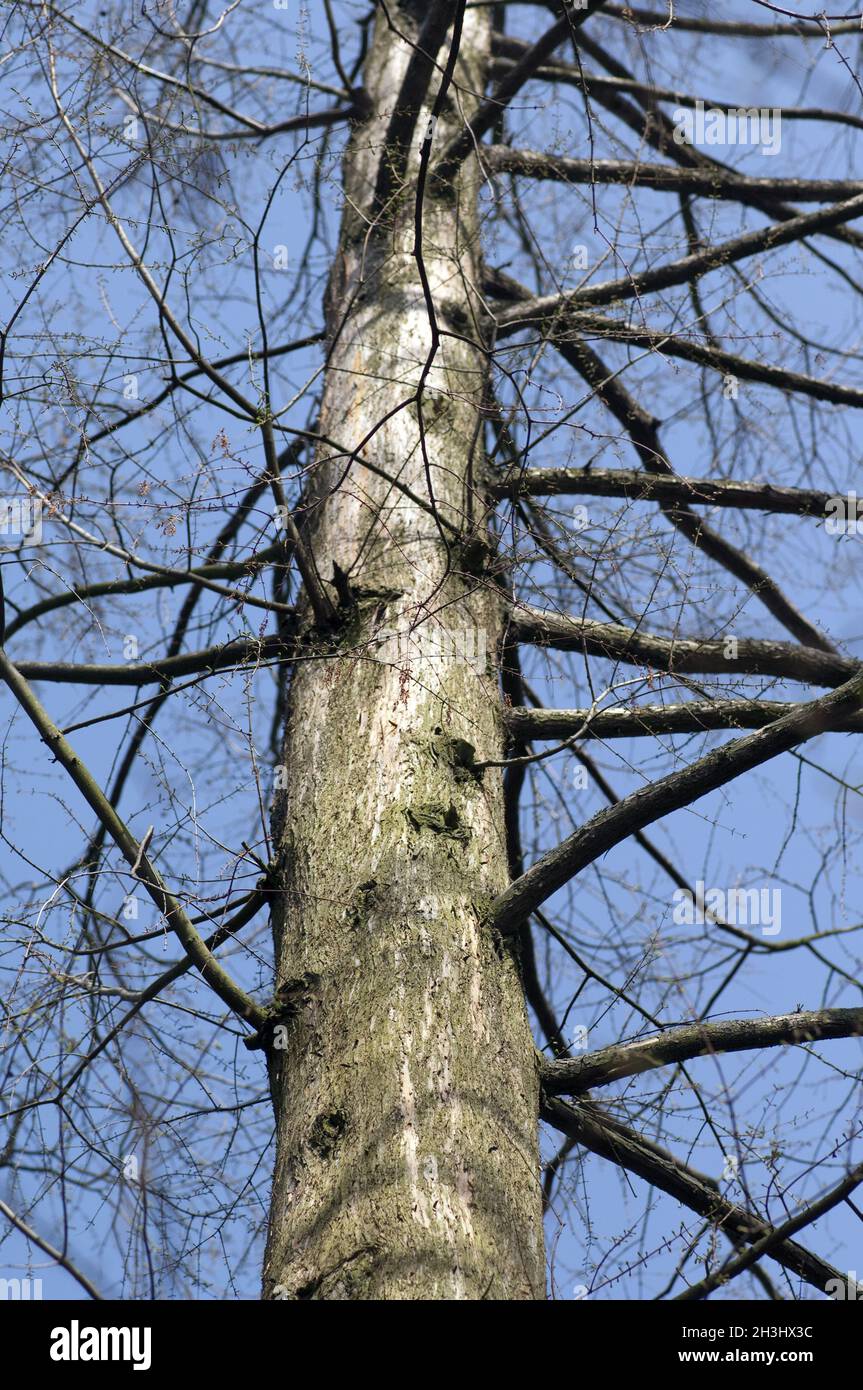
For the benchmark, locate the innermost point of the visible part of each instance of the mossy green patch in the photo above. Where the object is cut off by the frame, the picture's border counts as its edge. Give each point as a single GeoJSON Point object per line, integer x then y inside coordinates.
{"type": "Point", "coordinates": [456, 754]}
{"type": "Point", "coordinates": [440, 819]}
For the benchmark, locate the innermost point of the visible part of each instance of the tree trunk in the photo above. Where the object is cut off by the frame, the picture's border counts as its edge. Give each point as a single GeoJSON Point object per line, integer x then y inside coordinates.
{"type": "Point", "coordinates": [406, 1088]}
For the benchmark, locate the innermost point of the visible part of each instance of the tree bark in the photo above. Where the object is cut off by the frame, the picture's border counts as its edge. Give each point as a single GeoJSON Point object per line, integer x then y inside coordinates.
{"type": "Point", "coordinates": [406, 1089]}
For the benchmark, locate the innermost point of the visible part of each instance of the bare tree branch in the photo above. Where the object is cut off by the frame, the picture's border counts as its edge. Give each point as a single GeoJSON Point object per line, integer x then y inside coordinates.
{"type": "Point", "coordinates": [608, 827]}
{"type": "Point", "coordinates": [214, 974]}
{"type": "Point", "coordinates": [693, 717]}
{"type": "Point", "coordinates": [589, 1126]}
{"type": "Point", "coordinates": [670, 489]}
{"type": "Point", "coordinates": [682, 655]}
{"type": "Point", "coordinates": [698, 1040]}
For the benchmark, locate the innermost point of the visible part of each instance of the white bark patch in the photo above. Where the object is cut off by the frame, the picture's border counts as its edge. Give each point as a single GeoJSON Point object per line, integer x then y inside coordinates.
{"type": "Point", "coordinates": [464, 1191]}
{"type": "Point", "coordinates": [478, 1016]}
{"type": "Point", "coordinates": [449, 1206]}
{"type": "Point", "coordinates": [440, 1082]}
{"type": "Point", "coordinates": [410, 1140]}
